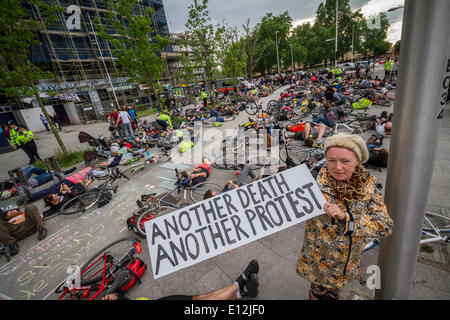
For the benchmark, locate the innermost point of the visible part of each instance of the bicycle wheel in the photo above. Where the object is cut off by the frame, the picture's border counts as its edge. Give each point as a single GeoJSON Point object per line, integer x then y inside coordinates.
{"type": "Point", "coordinates": [440, 222]}
{"type": "Point", "coordinates": [197, 192]}
{"type": "Point", "coordinates": [300, 155]}
{"type": "Point", "coordinates": [81, 203]}
{"type": "Point", "coordinates": [251, 108]}
{"type": "Point", "coordinates": [287, 150]}
{"type": "Point", "coordinates": [273, 107]}
{"type": "Point", "coordinates": [149, 215]}
{"type": "Point", "coordinates": [108, 260]}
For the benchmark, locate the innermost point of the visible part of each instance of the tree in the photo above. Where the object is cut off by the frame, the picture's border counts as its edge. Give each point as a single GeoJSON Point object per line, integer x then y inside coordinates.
{"type": "Point", "coordinates": [234, 62]}
{"type": "Point", "coordinates": [137, 47]}
{"type": "Point", "coordinates": [268, 26]}
{"type": "Point", "coordinates": [396, 46]}
{"type": "Point", "coordinates": [18, 33]}
{"type": "Point", "coordinates": [375, 38]}
{"type": "Point", "coordinates": [254, 48]}
{"type": "Point", "coordinates": [204, 38]}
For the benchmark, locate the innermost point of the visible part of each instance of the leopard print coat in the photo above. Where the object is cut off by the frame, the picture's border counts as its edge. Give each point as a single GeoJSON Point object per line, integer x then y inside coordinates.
{"type": "Point", "coordinates": [327, 258]}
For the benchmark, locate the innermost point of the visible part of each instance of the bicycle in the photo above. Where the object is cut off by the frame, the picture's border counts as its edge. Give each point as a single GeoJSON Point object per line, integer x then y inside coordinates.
{"type": "Point", "coordinates": [87, 199]}
{"type": "Point", "coordinates": [149, 208]}
{"type": "Point", "coordinates": [141, 165]}
{"type": "Point", "coordinates": [196, 192]}
{"type": "Point", "coordinates": [98, 273]}
{"type": "Point", "coordinates": [298, 153]}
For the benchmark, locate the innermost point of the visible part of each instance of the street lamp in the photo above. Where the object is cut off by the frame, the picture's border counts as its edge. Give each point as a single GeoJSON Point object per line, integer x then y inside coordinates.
{"type": "Point", "coordinates": [292, 59]}
{"type": "Point", "coordinates": [336, 40]}
{"type": "Point", "coordinates": [278, 59]}
{"type": "Point", "coordinates": [394, 8]}
{"type": "Point", "coordinates": [353, 36]}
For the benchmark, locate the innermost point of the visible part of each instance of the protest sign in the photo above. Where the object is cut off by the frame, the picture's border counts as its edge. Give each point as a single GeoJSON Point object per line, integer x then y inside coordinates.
{"type": "Point", "coordinates": [232, 219]}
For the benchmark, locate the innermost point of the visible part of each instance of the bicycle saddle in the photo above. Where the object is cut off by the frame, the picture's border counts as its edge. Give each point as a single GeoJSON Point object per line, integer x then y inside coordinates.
{"type": "Point", "coordinates": [122, 278]}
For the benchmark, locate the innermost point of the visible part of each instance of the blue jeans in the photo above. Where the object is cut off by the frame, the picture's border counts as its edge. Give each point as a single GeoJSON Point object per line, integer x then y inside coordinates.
{"type": "Point", "coordinates": [324, 120]}
{"type": "Point", "coordinates": [42, 176]}
{"type": "Point", "coordinates": [162, 123]}
{"type": "Point", "coordinates": [128, 130]}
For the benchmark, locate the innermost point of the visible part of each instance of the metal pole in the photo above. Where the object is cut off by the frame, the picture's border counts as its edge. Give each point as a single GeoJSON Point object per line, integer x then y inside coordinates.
{"type": "Point", "coordinates": [278, 59]}
{"type": "Point", "coordinates": [292, 59]}
{"type": "Point", "coordinates": [336, 40]}
{"type": "Point", "coordinates": [353, 36]}
{"type": "Point", "coordinates": [424, 59]}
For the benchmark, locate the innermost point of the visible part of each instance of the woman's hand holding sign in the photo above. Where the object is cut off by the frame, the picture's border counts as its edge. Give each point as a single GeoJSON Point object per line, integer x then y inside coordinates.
{"type": "Point", "coordinates": [334, 211]}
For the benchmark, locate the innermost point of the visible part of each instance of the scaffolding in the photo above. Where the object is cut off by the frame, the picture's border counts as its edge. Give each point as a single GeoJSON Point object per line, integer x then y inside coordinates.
{"type": "Point", "coordinates": [83, 63]}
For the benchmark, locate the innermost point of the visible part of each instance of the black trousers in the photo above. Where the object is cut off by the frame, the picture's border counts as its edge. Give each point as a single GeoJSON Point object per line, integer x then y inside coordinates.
{"type": "Point", "coordinates": [30, 149]}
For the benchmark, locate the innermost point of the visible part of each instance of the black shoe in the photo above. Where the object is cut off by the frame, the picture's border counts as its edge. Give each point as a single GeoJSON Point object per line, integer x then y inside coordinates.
{"type": "Point", "coordinates": [139, 203]}
{"type": "Point", "coordinates": [251, 288]}
{"type": "Point", "coordinates": [252, 268]}
{"type": "Point", "coordinates": [42, 233]}
{"type": "Point", "coordinates": [13, 249]}
{"type": "Point", "coordinates": [184, 174]}
{"type": "Point", "coordinates": [70, 170]}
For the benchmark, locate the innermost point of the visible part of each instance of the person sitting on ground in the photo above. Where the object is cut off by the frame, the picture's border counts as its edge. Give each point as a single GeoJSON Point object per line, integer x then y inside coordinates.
{"type": "Point", "coordinates": [313, 134]}
{"type": "Point", "coordinates": [378, 156]}
{"type": "Point", "coordinates": [384, 125]}
{"type": "Point", "coordinates": [245, 285]}
{"type": "Point", "coordinates": [330, 115]}
{"type": "Point", "coordinates": [17, 225]}
{"type": "Point", "coordinates": [164, 121]}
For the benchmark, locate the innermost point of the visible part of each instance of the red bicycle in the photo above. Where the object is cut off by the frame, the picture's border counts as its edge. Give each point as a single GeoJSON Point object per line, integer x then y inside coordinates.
{"type": "Point", "coordinates": [106, 272]}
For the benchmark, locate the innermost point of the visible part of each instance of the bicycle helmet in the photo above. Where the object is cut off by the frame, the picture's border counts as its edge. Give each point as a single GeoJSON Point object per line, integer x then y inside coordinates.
{"type": "Point", "coordinates": [9, 207]}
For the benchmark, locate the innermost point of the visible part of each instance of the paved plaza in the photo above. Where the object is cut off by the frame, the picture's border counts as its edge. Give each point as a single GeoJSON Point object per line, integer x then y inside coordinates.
{"type": "Point", "coordinates": [41, 266]}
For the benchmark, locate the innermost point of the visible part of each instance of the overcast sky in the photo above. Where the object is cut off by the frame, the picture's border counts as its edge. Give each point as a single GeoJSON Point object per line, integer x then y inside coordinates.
{"type": "Point", "coordinates": [236, 12]}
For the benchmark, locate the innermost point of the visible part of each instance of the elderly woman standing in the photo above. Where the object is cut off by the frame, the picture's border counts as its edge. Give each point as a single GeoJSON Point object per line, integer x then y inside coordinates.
{"type": "Point", "coordinates": [354, 210]}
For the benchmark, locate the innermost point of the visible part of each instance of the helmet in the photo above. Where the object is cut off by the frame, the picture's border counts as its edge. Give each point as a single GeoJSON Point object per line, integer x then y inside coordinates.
{"type": "Point", "coordinates": [5, 195]}
{"type": "Point", "coordinates": [9, 207]}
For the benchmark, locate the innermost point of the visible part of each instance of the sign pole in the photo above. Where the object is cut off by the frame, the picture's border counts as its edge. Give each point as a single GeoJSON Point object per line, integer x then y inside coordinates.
{"type": "Point", "coordinates": [424, 59]}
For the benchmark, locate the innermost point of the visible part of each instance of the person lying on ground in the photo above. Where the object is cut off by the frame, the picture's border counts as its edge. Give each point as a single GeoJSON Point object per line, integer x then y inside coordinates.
{"type": "Point", "coordinates": [200, 173]}
{"type": "Point", "coordinates": [245, 285]}
{"type": "Point", "coordinates": [79, 177]}
{"type": "Point", "coordinates": [16, 225]}
{"type": "Point", "coordinates": [41, 177]}
{"type": "Point", "coordinates": [242, 179]}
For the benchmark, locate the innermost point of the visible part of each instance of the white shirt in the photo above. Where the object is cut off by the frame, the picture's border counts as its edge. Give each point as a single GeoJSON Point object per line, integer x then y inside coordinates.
{"type": "Point", "coordinates": [123, 115]}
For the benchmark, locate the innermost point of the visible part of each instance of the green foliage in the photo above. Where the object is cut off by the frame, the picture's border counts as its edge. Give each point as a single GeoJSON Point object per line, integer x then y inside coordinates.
{"type": "Point", "coordinates": [204, 38]}
{"type": "Point", "coordinates": [396, 46]}
{"type": "Point", "coordinates": [65, 160]}
{"type": "Point", "coordinates": [18, 33]}
{"type": "Point", "coordinates": [375, 39]}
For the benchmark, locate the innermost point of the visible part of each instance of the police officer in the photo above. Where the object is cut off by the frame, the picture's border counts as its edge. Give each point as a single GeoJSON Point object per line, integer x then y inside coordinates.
{"type": "Point", "coordinates": [204, 96]}
{"type": "Point", "coordinates": [26, 140]}
{"type": "Point", "coordinates": [388, 68]}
